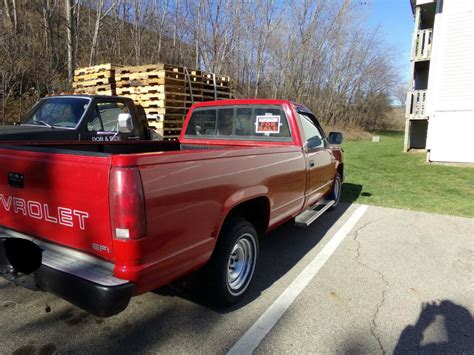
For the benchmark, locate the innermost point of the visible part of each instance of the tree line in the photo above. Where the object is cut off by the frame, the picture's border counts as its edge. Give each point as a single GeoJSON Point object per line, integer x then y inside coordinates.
{"type": "Point", "coordinates": [316, 52]}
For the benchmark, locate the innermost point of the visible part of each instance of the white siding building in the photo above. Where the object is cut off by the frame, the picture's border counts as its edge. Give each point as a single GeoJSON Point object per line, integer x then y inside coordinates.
{"type": "Point", "coordinates": [440, 104]}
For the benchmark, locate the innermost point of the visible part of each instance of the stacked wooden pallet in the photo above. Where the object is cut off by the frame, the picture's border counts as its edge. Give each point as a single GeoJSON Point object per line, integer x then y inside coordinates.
{"type": "Point", "coordinates": [166, 92]}
{"type": "Point", "coordinates": [98, 79]}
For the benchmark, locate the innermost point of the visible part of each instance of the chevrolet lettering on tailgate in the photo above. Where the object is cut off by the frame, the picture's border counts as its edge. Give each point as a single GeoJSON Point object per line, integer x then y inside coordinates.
{"type": "Point", "coordinates": [34, 209]}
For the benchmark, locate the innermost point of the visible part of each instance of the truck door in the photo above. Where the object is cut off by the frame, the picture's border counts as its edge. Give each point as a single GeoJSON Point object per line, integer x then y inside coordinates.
{"type": "Point", "coordinates": [102, 123]}
{"type": "Point", "coordinates": [321, 165]}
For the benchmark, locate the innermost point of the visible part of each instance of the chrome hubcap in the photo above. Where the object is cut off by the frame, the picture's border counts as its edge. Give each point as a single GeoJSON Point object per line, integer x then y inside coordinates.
{"type": "Point", "coordinates": [241, 264]}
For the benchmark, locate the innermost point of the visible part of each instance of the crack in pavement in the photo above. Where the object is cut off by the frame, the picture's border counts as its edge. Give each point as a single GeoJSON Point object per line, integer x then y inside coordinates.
{"type": "Point", "coordinates": [373, 327]}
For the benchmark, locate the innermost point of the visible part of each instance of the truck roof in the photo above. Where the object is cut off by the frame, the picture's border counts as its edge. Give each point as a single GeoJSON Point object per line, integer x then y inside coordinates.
{"type": "Point", "coordinates": [88, 96]}
{"type": "Point", "coordinates": [297, 106]}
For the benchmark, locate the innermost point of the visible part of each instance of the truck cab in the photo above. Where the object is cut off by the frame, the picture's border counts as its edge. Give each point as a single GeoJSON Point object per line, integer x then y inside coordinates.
{"type": "Point", "coordinates": [80, 118]}
{"type": "Point", "coordinates": [268, 123]}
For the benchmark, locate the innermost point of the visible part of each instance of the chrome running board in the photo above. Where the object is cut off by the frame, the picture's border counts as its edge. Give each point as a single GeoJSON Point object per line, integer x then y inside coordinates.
{"type": "Point", "coordinates": [305, 218]}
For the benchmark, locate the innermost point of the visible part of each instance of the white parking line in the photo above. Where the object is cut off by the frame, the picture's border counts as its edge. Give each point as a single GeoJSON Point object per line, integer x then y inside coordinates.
{"type": "Point", "coordinates": [257, 332]}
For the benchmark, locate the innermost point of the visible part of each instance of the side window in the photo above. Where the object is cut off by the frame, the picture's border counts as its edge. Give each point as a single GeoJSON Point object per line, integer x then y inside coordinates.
{"type": "Point", "coordinates": [313, 137]}
{"type": "Point", "coordinates": [105, 116]}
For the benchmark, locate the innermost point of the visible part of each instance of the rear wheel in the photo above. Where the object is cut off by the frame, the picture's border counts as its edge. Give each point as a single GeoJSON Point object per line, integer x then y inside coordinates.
{"type": "Point", "coordinates": [336, 191]}
{"type": "Point", "coordinates": [233, 263]}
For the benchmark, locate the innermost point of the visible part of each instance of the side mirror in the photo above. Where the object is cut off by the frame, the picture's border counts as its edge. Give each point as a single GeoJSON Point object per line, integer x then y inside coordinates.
{"type": "Point", "coordinates": [335, 138]}
{"type": "Point", "coordinates": [125, 122]}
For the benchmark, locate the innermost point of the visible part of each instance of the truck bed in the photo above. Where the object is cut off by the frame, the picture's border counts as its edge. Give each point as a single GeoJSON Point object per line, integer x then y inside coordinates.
{"type": "Point", "coordinates": [64, 196]}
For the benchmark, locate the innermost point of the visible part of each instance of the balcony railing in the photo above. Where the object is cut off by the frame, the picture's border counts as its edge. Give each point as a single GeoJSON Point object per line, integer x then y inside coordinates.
{"type": "Point", "coordinates": [422, 47]}
{"type": "Point", "coordinates": [415, 104]}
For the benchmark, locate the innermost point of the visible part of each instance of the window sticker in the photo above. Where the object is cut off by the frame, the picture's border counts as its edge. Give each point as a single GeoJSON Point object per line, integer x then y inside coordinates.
{"type": "Point", "coordinates": [268, 124]}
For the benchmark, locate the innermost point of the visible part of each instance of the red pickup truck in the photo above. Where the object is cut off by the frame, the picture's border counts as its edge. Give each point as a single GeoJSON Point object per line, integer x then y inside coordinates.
{"type": "Point", "coordinates": [97, 223]}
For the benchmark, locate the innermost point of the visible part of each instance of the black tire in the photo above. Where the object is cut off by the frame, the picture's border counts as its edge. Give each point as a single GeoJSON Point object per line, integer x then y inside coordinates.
{"type": "Point", "coordinates": [237, 238]}
{"type": "Point", "coordinates": [336, 191]}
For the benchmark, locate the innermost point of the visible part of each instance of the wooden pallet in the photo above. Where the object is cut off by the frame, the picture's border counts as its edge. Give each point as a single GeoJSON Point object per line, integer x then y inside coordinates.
{"type": "Point", "coordinates": [155, 74]}
{"type": "Point", "coordinates": [164, 92]}
{"type": "Point", "coordinates": [174, 127]}
{"type": "Point", "coordinates": [151, 89]}
{"type": "Point", "coordinates": [96, 69]}
{"type": "Point", "coordinates": [175, 131]}
{"type": "Point", "coordinates": [142, 68]}
{"type": "Point", "coordinates": [163, 103]}
{"type": "Point", "coordinates": [98, 79]}
{"type": "Point", "coordinates": [167, 96]}
{"type": "Point", "coordinates": [106, 74]}
{"type": "Point", "coordinates": [154, 117]}
{"type": "Point", "coordinates": [154, 67]}
{"type": "Point", "coordinates": [219, 78]}
{"type": "Point", "coordinates": [99, 90]}
{"type": "Point", "coordinates": [105, 92]}
{"type": "Point", "coordinates": [151, 82]}
{"type": "Point", "coordinates": [96, 82]}
{"type": "Point", "coordinates": [176, 111]}
{"type": "Point", "coordinates": [157, 126]}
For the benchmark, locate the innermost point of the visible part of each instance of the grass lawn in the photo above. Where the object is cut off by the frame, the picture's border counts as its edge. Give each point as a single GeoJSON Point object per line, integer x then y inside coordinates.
{"type": "Point", "coordinates": [381, 174]}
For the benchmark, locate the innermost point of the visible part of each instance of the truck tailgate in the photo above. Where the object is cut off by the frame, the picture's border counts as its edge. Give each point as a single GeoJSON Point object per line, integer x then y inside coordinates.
{"type": "Point", "coordinates": [59, 197]}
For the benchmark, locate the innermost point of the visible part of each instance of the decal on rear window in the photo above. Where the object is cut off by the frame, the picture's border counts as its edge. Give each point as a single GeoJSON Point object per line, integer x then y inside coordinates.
{"type": "Point", "coordinates": [267, 124]}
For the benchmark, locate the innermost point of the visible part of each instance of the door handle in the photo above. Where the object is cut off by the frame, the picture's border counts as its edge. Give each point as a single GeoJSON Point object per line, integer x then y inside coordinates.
{"type": "Point", "coordinates": [311, 163]}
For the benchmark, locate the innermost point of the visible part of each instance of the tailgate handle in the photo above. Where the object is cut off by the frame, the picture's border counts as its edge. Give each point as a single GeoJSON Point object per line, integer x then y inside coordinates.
{"type": "Point", "coordinates": [16, 180]}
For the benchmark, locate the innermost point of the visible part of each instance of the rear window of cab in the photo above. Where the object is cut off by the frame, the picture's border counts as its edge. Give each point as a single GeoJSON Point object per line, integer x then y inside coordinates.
{"type": "Point", "coordinates": [265, 123]}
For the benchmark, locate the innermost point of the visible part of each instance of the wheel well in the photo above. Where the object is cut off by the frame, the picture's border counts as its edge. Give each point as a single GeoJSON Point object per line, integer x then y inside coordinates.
{"type": "Point", "coordinates": [340, 170]}
{"type": "Point", "coordinates": [256, 211]}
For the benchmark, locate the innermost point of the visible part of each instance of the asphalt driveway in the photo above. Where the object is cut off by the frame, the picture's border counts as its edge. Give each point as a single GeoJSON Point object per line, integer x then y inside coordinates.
{"type": "Point", "coordinates": [388, 281]}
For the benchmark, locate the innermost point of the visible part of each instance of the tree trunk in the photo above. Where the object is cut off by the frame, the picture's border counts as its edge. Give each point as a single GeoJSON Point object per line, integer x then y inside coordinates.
{"type": "Point", "coordinates": [15, 17]}
{"type": "Point", "coordinates": [7, 12]}
{"type": "Point", "coordinates": [71, 39]}
{"type": "Point", "coordinates": [100, 15]}
{"type": "Point", "coordinates": [47, 31]}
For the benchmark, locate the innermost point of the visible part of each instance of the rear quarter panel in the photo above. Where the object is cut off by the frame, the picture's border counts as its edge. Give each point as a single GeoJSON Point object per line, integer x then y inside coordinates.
{"type": "Point", "coordinates": [189, 195]}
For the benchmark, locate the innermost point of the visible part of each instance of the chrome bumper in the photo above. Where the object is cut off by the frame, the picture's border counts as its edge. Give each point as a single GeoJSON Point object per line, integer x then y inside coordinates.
{"type": "Point", "coordinates": [81, 279]}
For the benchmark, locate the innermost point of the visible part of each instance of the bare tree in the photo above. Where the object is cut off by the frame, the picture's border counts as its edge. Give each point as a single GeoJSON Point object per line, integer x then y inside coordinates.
{"type": "Point", "coordinates": [400, 93]}
{"type": "Point", "coordinates": [317, 52]}
{"type": "Point", "coordinates": [101, 14]}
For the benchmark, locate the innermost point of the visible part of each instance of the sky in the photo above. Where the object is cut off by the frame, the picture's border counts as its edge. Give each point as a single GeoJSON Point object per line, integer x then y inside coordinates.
{"type": "Point", "coordinates": [395, 20]}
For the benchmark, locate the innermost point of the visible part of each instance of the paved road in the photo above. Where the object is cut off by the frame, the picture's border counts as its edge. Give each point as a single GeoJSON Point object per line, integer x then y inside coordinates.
{"type": "Point", "coordinates": [399, 281]}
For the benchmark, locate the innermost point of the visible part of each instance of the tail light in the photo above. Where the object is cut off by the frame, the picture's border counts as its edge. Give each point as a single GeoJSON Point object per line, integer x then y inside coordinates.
{"type": "Point", "coordinates": [127, 203]}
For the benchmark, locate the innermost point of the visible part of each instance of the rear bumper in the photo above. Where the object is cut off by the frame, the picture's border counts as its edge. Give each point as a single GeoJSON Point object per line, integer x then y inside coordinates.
{"type": "Point", "coordinates": [102, 301]}
{"type": "Point", "coordinates": [70, 282]}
